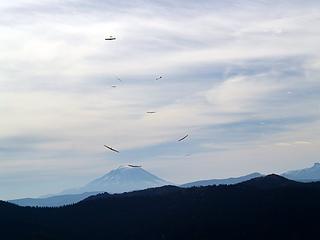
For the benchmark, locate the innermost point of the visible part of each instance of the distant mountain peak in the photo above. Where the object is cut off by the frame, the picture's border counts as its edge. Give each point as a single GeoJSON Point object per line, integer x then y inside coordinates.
{"type": "Point", "coordinates": [125, 178]}
{"type": "Point", "coordinates": [316, 165]}
{"type": "Point", "coordinates": [305, 174]}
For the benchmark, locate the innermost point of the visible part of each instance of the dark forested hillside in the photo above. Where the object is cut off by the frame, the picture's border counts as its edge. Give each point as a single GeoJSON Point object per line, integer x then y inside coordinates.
{"type": "Point", "coordinates": [270, 207]}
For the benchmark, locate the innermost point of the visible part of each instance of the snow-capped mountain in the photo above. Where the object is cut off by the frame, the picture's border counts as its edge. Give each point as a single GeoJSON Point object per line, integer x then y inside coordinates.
{"type": "Point", "coordinates": [123, 179]}
{"type": "Point", "coordinates": [304, 175]}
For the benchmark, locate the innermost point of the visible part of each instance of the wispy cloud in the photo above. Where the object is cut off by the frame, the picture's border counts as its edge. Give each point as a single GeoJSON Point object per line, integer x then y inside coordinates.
{"type": "Point", "coordinates": [235, 75]}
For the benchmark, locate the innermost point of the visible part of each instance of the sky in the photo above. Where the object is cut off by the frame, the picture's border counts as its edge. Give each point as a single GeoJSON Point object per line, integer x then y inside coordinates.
{"type": "Point", "coordinates": [242, 78]}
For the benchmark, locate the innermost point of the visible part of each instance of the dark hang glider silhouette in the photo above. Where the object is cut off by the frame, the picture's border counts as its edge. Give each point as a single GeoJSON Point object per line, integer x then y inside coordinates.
{"type": "Point", "coordinates": [114, 86]}
{"type": "Point", "coordinates": [151, 112]}
{"type": "Point", "coordinates": [158, 78]}
{"type": "Point", "coordinates": [133, 165]}
{"type": "Point", "coordinates": [181, 139]}
{"type": "Point", "coordinates": [110, 38]}
{"type": "Point", "coordinates": [110, 148]}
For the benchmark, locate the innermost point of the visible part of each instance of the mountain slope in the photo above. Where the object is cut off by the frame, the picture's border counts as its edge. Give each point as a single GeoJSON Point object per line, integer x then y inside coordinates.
{"type": "Point", "coordinates": [305, 175]}
{"type": "Point", "coordinates": [54, 201]}
{"type": "Point", "coordinates": [122, 179]}
{"type": "Point", "coordinates": [226, 181]}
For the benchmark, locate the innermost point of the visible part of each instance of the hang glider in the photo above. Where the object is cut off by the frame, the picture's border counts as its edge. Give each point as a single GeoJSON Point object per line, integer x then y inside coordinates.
{"type": "Point", "coordinates": [158, 78]}
{"type": "Point", "coordinates": [133, 165]}
{"type": "Point", "coordinates": [181, 139]}
{"type": "Point", "coordinates": [150, 112]}
{"type": "Point", "coordinates": [114, 86]}
{"type": "Point", "coordinates": [110, 148]}
{"type": "Point", "coordinates": [110, 38]}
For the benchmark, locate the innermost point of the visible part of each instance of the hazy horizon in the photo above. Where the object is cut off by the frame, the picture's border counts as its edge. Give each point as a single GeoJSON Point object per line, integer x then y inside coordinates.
{"type": "Point", "coordinates": [241, 78]}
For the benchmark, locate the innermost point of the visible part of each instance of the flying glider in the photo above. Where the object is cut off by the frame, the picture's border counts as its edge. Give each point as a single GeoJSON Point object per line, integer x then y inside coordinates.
{"type": "Point", "coordinates": [181, 139]}
{"type": "Point", "coordinates": [110, 148]}
{"type": "Point", "coordinates": [110, 38]}
{"type": "Point", "coordinates": [133, 165]}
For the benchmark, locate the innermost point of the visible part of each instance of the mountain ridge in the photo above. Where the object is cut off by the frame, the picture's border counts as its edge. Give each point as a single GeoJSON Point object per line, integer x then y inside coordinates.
{"type": "Point", "coordinates": [240, 211]}
{"type": "Point", "coordinates": [222, 181]}
{"type": "Point", "coordinates": [310, 174]}
{"type": "Point", "coordinates": [102, 183]}
{"type": "Point", "coordinates": [53, 201]}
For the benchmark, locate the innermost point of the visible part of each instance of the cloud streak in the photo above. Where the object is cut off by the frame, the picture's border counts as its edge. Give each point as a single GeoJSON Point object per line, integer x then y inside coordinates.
{"type": "Point", "coordinates": [235, 75]}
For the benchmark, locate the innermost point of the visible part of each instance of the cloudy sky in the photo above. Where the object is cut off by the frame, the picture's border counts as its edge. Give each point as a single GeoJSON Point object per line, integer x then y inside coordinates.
{"type": "Point", "coordinates": [242, 78]}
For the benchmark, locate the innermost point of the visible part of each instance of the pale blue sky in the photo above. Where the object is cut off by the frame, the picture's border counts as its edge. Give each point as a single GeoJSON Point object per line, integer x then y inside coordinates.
{"type": "Point", "coordinates": [240, 77]}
